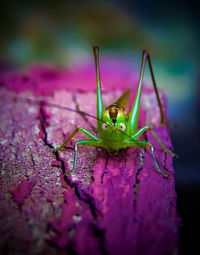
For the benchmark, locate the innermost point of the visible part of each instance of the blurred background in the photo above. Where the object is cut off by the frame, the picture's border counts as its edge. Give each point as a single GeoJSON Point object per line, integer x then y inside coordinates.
{"type": "Point", "coordinates": [62, 32]}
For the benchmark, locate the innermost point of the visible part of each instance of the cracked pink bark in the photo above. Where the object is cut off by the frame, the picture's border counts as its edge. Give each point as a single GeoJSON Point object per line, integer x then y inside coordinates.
{"type": "Point", "coordinates": [22, 192]}
{"type": "Point", "coordinates": [113, 204]}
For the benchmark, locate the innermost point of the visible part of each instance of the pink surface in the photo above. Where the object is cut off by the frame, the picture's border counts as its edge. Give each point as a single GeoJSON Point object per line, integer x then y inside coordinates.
{"type": "Point", "coordinates": [22, 192]}
{"type": "Point", "coordinates": [45, 79]}
{"type": "Point", "coordinates": [112, 205]}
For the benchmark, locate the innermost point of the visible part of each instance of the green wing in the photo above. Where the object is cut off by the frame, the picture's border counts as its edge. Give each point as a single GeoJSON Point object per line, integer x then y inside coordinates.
{"type": "Point", "coordinates": [123, 100]}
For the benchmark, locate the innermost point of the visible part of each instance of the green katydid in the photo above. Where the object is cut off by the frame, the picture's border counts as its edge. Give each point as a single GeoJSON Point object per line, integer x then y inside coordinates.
{"type": "Point", "coordinates": [118, 129]}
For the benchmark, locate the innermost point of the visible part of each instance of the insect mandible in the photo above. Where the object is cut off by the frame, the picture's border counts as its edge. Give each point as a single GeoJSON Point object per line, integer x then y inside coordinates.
{"type": "Point", "coordinates": [118, 129]}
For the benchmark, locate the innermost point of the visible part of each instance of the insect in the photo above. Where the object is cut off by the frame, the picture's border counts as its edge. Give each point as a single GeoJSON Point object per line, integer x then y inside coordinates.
{"type": "Point", "coordinates": [118, 129]}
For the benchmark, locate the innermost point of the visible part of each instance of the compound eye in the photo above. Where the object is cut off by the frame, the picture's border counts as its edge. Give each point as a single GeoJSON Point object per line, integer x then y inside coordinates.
{"type": "Point", "coordinates": [105, 126]}
{"type": "Point", "coordinates": [122, 126]}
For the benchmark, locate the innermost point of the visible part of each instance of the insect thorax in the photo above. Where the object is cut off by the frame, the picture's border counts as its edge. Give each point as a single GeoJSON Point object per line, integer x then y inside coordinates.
{"type": "Point", "coordinates": [115, 112]}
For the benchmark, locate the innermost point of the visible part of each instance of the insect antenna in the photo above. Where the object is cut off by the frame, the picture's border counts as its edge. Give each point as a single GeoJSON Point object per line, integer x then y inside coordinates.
{"type": "Point", "coordinates": [65, 108]}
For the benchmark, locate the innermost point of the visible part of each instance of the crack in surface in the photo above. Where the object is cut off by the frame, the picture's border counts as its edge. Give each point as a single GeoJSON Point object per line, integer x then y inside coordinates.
{"type": "Point", "coordinates": [80, 194]}
{"type": "Point", "coordinates": [87, 199]}
{"type": "Point", "coordinates": [13, 127]}
{"type": "Point", "coordinates": [43, 123]}
{"type": "Point", "coordinates": [105, 168]}
{"type": "Point", "coordinates": [164, 165]}
{"type": "Point", "coordinates": [135, 186]}
{"type": "Point", "coordinates": [94, 129]}
{"type": "Point", "coordinates": [32, 158]}
{"type": "Point", "coordinates": [100, 234]}
{"type": "Point", "coordinates": [137, 181]}
{"type": "Point", "coordinates": [70, 249]}
{"type": "Point", "coordinates": [26, 173]}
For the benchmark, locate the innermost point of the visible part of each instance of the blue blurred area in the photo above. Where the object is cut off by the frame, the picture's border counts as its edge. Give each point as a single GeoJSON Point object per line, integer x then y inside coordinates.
{"type": "Point", "coordinates": [62, 32]}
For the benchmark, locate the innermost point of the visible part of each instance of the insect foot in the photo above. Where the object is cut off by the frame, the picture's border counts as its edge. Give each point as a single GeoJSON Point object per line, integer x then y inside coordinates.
{"type": "Point", "coordinates": [57, 149]}
{"type": "Point", "coordinates": [162, 172]}
{"type": "Point", "coordinates": [69, 173]}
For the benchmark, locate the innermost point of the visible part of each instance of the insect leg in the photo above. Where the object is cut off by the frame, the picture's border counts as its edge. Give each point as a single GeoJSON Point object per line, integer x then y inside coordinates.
{"type": "Point", "coordinates": [145, 128]}
{"type": "Point", "coordinates": [134, 114]}
{"type": "Point", "coordinates": [146, 144]}
{"type": "Point", "coordinates": [87, 133]}
{"type": "Point", "coordinates": [99, 96]}
{"type": "Point", "coordinates": [90, 142]}
{"type": "Point", "coordinates": [162, 117]}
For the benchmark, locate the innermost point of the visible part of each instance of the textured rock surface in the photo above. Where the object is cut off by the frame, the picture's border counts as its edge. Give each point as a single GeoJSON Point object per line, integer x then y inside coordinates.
{"type": "Point", "coordinates": [112, 205]}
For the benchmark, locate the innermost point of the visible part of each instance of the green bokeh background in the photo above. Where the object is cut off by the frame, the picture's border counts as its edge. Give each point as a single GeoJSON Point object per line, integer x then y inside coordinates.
{"type": "Point", "coordinates": [62, 32]}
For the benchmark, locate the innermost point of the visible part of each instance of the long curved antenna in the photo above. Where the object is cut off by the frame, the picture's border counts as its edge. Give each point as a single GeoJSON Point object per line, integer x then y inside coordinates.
{"type": "Point", "coordinates": [65, 108]}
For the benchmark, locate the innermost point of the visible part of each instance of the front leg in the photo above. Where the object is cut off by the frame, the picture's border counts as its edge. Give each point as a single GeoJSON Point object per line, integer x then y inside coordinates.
{"type": "Point", "coordinates": [145, 128]}
{"type": "Point", "coordinates": [93, 141]}
{"type": "Point", "coordinates": [86, 132]}
{"type": "Point", "coordinates": [90, 142]}
{"type": "Point", "coordinates": [135, 143]}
